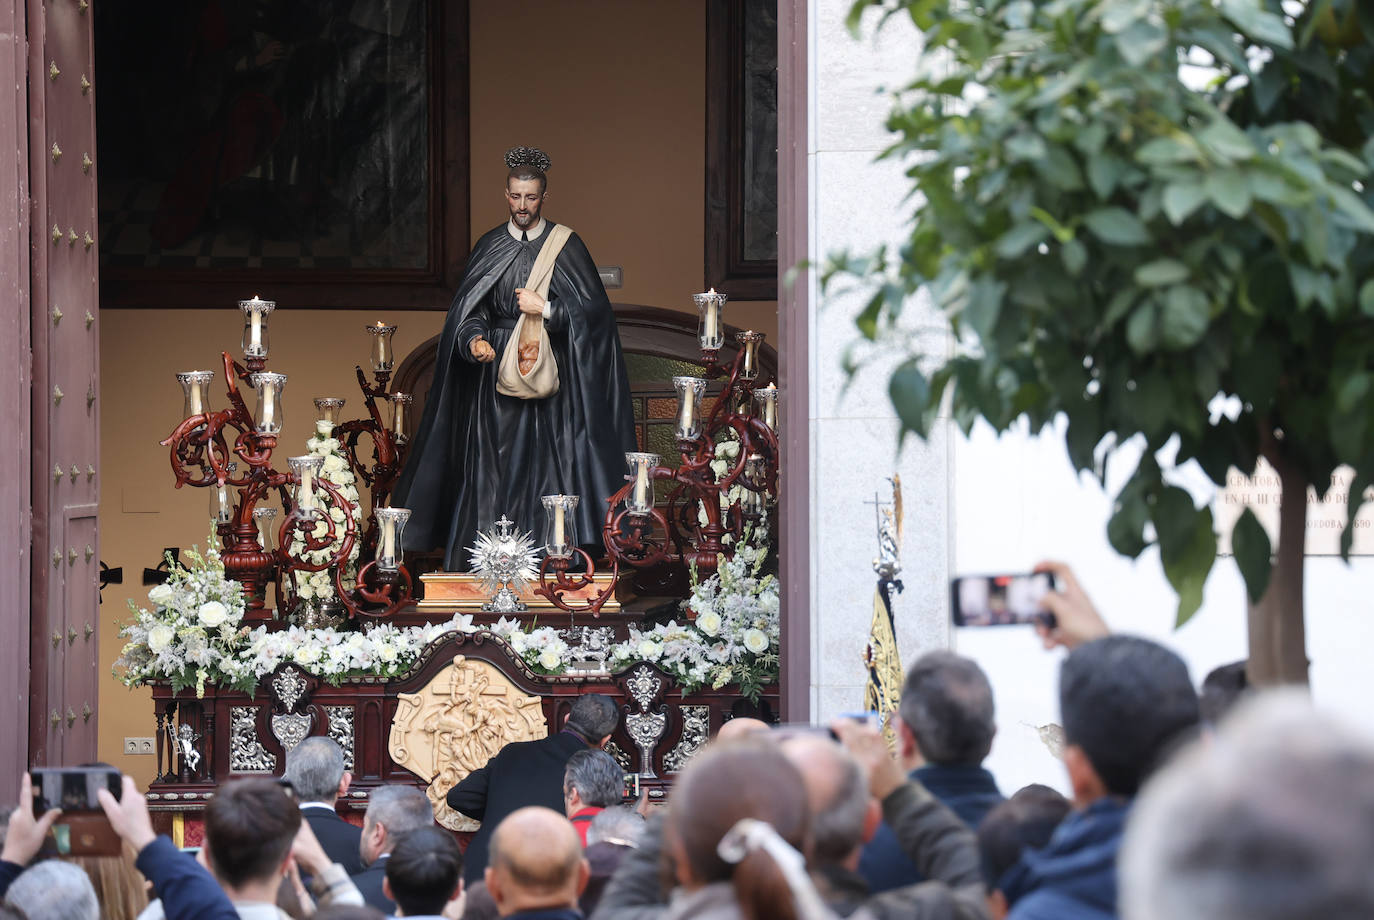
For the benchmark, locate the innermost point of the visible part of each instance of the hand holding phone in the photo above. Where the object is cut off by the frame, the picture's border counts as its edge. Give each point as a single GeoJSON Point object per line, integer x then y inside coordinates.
{"type": "Point", "coordinates": [1075, 619]}
{"type": "Point", "coordinates": [27, 831]}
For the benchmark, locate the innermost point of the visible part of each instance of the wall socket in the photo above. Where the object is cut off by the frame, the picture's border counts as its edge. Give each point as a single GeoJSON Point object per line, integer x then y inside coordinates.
{"type": "Point", "coordinates": [139, 746]}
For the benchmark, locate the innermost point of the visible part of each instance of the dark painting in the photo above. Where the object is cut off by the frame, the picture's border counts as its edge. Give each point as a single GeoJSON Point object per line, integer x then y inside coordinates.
{"type": "Point", "coordinates": [269, 134]}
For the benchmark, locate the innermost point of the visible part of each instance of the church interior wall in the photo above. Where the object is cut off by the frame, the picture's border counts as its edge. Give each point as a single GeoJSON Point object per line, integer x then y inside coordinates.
{"type": "Point", "coordinates": [621, 112]}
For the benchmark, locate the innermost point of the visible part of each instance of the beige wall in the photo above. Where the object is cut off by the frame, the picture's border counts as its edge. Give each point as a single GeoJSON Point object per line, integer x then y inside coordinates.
{"type": "Point", "coordinates": [619, 109]}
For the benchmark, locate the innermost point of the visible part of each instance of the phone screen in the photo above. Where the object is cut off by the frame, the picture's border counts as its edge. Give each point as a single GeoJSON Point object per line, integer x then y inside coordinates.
{"type": "Point", "coordinates": [72, 788]}
{"type": "Point", "coordinates": [999, 600]}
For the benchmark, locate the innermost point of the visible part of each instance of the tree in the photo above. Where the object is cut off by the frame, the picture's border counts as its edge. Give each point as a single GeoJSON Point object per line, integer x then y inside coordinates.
{"type": "Point", "coordinates": [1136, 213]}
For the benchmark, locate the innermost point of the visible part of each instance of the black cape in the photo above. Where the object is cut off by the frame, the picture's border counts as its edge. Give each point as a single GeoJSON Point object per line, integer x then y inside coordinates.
{"type": "Point", "coordinates": [478, 454]}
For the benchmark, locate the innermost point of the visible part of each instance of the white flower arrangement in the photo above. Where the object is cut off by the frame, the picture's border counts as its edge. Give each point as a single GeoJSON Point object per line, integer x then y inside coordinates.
{"type": "Point", "coordinates": [316, 589]}
{"type": "Point", "coordinates": [191, 629]}
{"type": "Point", "coordinates": [193, 635]}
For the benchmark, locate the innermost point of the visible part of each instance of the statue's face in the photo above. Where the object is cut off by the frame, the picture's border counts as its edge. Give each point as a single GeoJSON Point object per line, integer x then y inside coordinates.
{"type": "Point", "coordinates": [525, 200]}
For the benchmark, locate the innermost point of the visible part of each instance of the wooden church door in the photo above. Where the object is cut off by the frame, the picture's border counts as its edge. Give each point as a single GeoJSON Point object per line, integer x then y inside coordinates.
{"type": "Point", "coordinates": [63, 308]}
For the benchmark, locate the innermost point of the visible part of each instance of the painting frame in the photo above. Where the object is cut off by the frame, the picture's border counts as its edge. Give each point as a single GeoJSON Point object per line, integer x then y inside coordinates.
{"type": "Point", "coordinates": [447, 233]}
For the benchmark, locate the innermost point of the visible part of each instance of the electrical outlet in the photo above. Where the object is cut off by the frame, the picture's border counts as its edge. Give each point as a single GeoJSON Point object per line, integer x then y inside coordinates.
{"type": "Point", "coordinates": [138, 746]}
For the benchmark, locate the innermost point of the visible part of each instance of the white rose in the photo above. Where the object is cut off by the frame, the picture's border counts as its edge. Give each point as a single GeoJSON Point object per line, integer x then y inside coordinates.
{"type": "Point", "coordinates": [162, 595]}
{"type": "Point", "coordinates": [212, 614]}
{"type": "Point", "coordinates": [338, 515]}
{"type": "Point", "coordinates": [387, 653]}
{"type": "Point", "coordinates": [335, 464]}
{"type": "Point", "coordinates": [648, 649]}
{"type": "Point", "coordinates": [324, 428]}
{"type": "Point", "coordinates": [305, 591]}
{"type": "Point", "coordinates": [159, 637]}
{"type": "Point", "coordinates": [755, 641]}
{"type": "Point", "coordinates": [307, 654]}
{"type": "Point", "coordinates": [549, 659]}
{"type": "Point", "coordinates": [709, 623]}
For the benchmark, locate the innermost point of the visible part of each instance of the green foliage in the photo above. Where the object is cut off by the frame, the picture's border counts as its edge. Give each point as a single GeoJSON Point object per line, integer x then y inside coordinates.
{"type": "Point", "coordinates": [1118, 247]}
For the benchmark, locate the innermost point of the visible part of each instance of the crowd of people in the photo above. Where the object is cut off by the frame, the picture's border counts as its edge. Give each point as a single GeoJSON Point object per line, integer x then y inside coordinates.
{"type": "Point", "coordinates": [1229, 804]}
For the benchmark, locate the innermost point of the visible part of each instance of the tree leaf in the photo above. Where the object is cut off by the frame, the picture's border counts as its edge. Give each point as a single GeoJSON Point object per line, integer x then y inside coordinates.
{"type": "Point", "coordinates": [1182, 199]}
{"type": "Point", "coordinates": [1125, 529]}
{"type": "Point", "coordinates": [1257, 23]}
{"type": "Point", "coordinates": [1074, 256]}
{"type": "Point", "coordinates": [1141, 41]}
{"type": "Point", "coordinates": [1104, 172]}
{"type": "Point", "coordinates": [910, 393]}
{"type": "Point", "coordinates": [1367, 298]}
{"type": "Point", "coordinates": [1250, 544]}
{"type": "Point", "coordinates": [1117, 226]}
{"type": "Point", "coordinates": [1186, 314]}
{"type": "Point", "coordinates": [1188, 552]}
{"type": "Point", "coordinates": [1161, 272]}
{"type": "Point", "coordinates": [1227, 141]}
{"type": "Point", "coordinates": [1142, 329]}
{"type": "Point", "coordinates": [1166, 151]}
{"type": "Point", "coordinates": [1354, 501]}
{"type": "Point", "coordinates": [1230, 192]}
{"type": "Point", "coordinates": [1023, 236]}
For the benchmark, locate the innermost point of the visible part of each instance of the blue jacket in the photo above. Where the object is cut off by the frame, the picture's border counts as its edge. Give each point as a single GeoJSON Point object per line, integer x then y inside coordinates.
{"type": "Point", "coordinates": [970, 792]}
{"type": "Point", "coordinates": [1074, 876]}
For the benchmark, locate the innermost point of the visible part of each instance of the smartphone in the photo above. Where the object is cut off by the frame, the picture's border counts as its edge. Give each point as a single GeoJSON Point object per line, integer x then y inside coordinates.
{"type": "Point", "coordinates": [72, 789]}
{"type": "Point", "coordinates": [1000, 600]}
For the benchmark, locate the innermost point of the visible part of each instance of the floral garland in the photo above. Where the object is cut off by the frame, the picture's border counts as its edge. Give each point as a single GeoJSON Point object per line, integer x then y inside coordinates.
{"type": "Point", "coordinates": [316, 589]}
{"type": "Point", "coordinates": [193, 635]}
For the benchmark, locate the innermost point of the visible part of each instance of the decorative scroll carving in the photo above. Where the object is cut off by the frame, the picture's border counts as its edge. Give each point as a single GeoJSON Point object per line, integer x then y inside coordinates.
{"type": "Point", "coordinates": [341, 730]}
{"type": "Point", "coordinates": [645, 729]}
{"type": "Point", "coordinates": [290, 728]}
{"type": "Point", "coordinates": [246, 753]}
{"type": "Point", "coordinates": [644, 685]}
{"type": "Point", "coordinates": [626, 762]}
{"type": "Point", "coordinates": [289, 685]}
{"type": "Point", "coordinates": [468, 712]}
{"type": "Point", "coordinates": [589, 646]}
{"type": "Point", "coordinates": [696, 728]}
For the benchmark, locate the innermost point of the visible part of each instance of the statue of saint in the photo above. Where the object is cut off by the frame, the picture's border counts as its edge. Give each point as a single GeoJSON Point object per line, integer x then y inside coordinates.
{"type": "Point", "coordinates": [479, 453]}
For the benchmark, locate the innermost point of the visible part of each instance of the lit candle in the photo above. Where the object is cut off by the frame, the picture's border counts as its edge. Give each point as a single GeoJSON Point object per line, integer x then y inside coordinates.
{"type": "Point", "coordinates": [770, 408]}
{"type": "Point", "coordinates": [268, 416]}
{"type": "Point", "coordinates": [712, 315]}
{"type": "Point", "coordinates": [641, 485]}
{"type": "Point", "coordinates": [388, 537]}
{"type": "Point", "coordinates": [558, 523]}
{"type": "Point", "coordinates": [255, 325]}
{"type": "Point", "coordinates": [688, 401]}
{"type": "Point", "coordinates": [307, 499]}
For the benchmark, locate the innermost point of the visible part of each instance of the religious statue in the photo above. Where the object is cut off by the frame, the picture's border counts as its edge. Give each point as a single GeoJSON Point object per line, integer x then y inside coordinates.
{"type": "Point", "coordinates": [553, 418]}
{"type": "Point", "coordinates": [186, 740]}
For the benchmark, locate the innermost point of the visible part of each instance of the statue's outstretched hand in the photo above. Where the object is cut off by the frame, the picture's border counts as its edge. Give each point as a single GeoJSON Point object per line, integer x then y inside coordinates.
{"type": "Point", "coordinates": [481, 350]}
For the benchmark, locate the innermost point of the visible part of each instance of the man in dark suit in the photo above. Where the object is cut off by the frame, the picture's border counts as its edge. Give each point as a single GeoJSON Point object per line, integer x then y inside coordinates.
{"type": "Point", "coordinates": [528, 773]}
{"type": "Point", "coordinates": [392, 813]}
{"type": "Point", "coordinates": [315, 768]}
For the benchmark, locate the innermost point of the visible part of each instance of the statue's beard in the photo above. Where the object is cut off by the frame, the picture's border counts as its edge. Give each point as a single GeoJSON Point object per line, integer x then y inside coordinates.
{"type": "Point", "coordinates": [526, 219]}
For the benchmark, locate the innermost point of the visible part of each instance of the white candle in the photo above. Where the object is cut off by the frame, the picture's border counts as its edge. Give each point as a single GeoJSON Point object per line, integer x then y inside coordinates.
{"type": "Point", "coordinates": [307, 489]}
{"type": "Point", "coordinates": [641, 484]}
{"type": "Point", "coordinates": [196, 406]}
{"type": "Point", "coordinates": [254, 327]}
{"type": "Point", "coordinates": [770, 408]}
{"type": "Point", "coordinates": [689, 394]}
{"type": "Point", "coordinates": [712, 307]}
{"type": "Point", "coordinates": [388, 537]}
{"type": "Point", "coordinates": [558, 524]}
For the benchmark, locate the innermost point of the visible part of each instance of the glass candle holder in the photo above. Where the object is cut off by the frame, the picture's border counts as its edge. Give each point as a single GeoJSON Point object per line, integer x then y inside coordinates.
{"type": "Point", "coordinates": [752, 503]}
{"type": "Point", "coordinates": [268, 418]}
{"type": "Point", "coordinates": [690, 391]}
{"type": "Point", "coordinates": [400, 416]}
{"type": "Point", "coordinates": [195, 386]}
{"type": "Point", "coordinates": [560, 530]}
{"type": "Point", "coordinates": [391, 523]}
{"type": "Point", "coordinates": [641, 497]}
{"type": "Point", "coordinates": [382, 358]}
{"type": "Point", "coordinates": [711, 329]}
{"type": "Point", "coordinates": [255, 312]}
{"type": "Point", "coordinates": [222, 498]}
{"type": "Point", "coordinates": [264, 518]}
{"type": "Point", "coordinates": [329, 408]}
{"type": "Point", "coordinates": [306, 469]}
{"type": "Point", "coordinates": [749, 343]}
{"type": "Point", "coordinates": [766, 406]}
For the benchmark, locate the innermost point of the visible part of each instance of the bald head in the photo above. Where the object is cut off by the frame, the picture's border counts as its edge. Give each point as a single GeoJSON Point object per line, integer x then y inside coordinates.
{"type": "Point", "coordinates": [740, 728]}
{"type": "Point", "coordinates": [536, 862]}
{"type": "Point", "coordinates": [843, 812]}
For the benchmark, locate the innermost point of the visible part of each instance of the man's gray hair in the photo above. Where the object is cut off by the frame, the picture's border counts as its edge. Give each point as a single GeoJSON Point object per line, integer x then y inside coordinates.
{"type": "Point", "coordinates": [596, 776]}
{"type": "Point", "coordinates": [53, 890]}
{"type": "Point", "coordinates": [1272, 820]}
{"type": "Point", "coordinates": [837, 827]}
{"type": "Point", "coordinates": [619, 824]}
{"type": "Point", "coordinates": [315, 767]}
{"type": "Point", "coordinates": [947, 704]}
{"type": "Point", "coordinates": [400, 809]}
